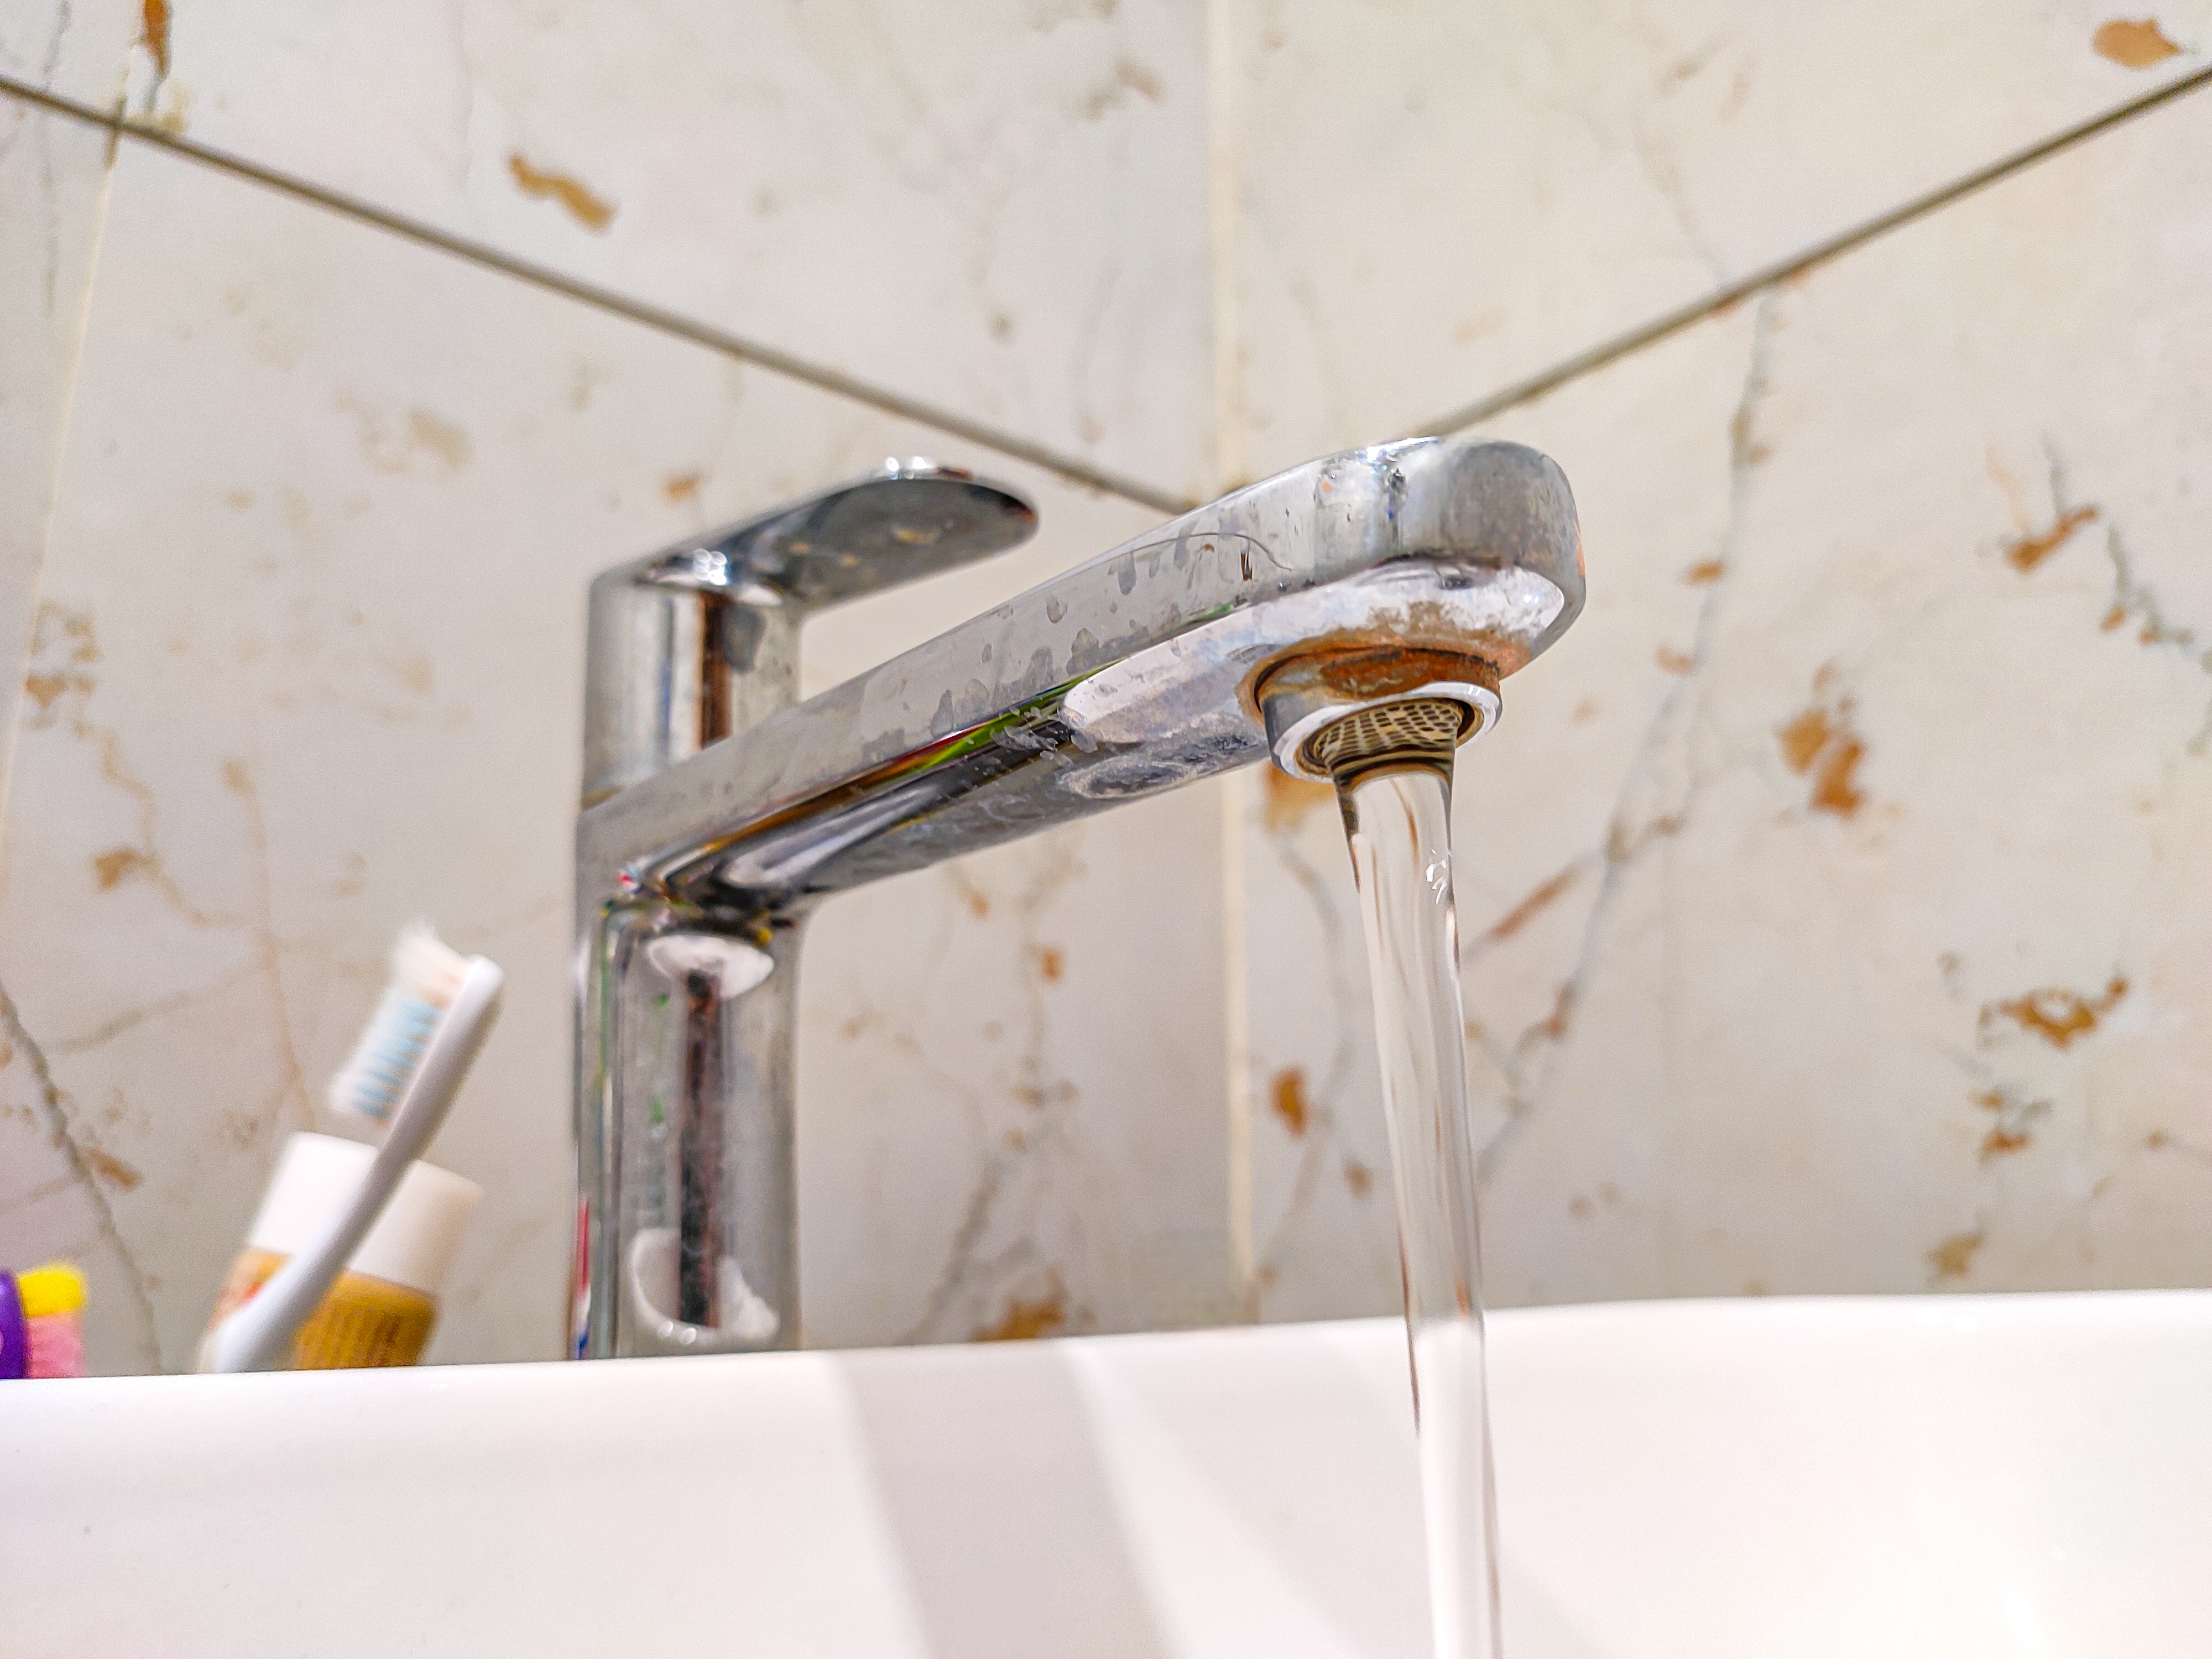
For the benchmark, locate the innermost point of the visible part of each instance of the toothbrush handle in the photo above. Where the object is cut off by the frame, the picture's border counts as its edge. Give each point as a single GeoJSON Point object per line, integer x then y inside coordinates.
{"type": "Point", "coordinates": [445, 1062]}
{"type": "Point", "coordinates": [258, 1336]}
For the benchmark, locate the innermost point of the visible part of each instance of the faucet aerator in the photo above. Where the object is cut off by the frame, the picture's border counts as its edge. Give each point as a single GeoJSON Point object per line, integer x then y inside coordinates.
{"type": "Point", "coordinates": [1326, 710]}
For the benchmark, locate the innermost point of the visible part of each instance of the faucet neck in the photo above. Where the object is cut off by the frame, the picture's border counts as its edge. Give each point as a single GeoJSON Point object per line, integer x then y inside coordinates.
{"type": "Point", "coordinates": [673, 665]}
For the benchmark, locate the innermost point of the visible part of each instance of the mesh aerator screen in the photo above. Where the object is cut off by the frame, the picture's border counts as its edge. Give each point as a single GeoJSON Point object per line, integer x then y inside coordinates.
{"type": "Point", "coordinates": [1420, 731]}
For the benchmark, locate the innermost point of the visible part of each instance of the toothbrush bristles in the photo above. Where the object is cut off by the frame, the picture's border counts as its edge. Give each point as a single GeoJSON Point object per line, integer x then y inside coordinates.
{"type": "Point", "coordinates": [425, 973]}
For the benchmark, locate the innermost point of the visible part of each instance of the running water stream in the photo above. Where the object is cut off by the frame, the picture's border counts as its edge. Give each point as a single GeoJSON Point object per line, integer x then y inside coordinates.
{"type": "Point", "coordinates": [1397, 817]}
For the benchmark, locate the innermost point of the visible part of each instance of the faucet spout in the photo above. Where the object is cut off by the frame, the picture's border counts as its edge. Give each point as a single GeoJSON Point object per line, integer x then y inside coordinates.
{"type": "Point", "coordinates": [1423, 570]}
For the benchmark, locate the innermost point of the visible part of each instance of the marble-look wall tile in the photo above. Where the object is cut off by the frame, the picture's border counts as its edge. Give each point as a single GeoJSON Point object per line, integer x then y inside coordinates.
{"type": "Point", "coordinates": [81, 49]}
{"type": "Point", "coordinates": [1833, 895]}
{"type": "Point", "coordinates": [1029, 1137]}
{"type": "Point", "coordinates": [54, 192]}
{"type": "Point", "coordinates": [999, 207]}
{"type": "Point", "coordinates": [1436, 202]}
{"type": "Point", "coordinates": [308, 660]}
{"type": "Point", "coordinates": [54, 188]}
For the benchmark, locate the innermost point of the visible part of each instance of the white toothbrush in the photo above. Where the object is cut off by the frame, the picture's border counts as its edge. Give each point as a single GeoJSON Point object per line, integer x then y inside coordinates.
{"type": "Point", "coordinates": [408, 1067]}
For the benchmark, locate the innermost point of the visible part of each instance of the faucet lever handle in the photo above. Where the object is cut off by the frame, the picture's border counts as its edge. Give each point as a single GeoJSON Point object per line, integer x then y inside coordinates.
{"type": "Point", "coordinates": [700, 641]}
{"type": "Point", "coordinates": [905, 521]}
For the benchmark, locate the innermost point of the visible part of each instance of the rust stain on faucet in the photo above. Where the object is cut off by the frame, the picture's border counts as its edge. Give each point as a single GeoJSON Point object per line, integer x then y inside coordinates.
{"type": "Point", "coordinates": [1394, 670]}
{"type": "Point", "coordinates": [1361, 665]}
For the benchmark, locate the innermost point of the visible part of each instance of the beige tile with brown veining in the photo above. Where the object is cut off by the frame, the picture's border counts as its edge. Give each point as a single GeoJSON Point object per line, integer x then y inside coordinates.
{"type": "Point", "coordinates": [1833, 895]}
{"type": "Point", "coordinates": [308, 663]}
{"type": "Point", "coordinates": [54, 179]}
{"type": "Point", "coordinates": [1437, 202]}
{"type": "Point", "coordinates": [1061, 994]}
{"type": "Point", "coordinates": [53, 189]}
{"type": "Point", "coordinates": [999, 207]}
{"type": "Point", "coordinates": [81, 49]}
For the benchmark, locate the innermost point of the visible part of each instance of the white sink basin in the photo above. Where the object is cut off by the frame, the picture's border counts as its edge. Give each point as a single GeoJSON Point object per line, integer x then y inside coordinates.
{"type": "Point", "coordinates": [1955, 1477]}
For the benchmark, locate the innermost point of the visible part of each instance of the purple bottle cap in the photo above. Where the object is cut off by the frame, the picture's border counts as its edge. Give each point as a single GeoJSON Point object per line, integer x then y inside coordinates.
{"type": "Point", "coordinates": [14, 1332]}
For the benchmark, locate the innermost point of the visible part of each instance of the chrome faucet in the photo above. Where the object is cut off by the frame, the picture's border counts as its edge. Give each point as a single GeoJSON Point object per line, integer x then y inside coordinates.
{"type": "Point", "coordinates": [718, 811]}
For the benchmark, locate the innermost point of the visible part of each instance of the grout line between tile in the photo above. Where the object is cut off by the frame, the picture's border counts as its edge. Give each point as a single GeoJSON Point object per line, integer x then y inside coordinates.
{"type": "Point", "coordinates": [1848, 241]}
{"type": "Point", "coordinates": [674, 323]}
